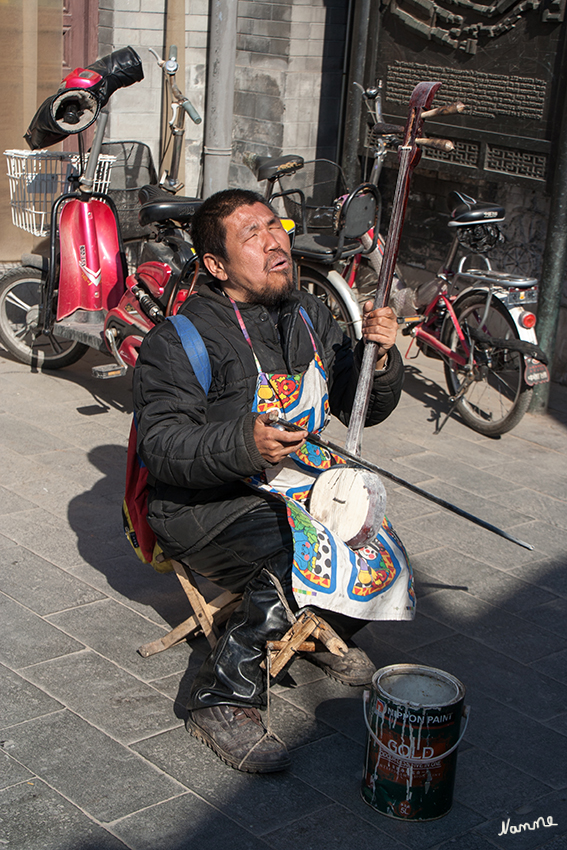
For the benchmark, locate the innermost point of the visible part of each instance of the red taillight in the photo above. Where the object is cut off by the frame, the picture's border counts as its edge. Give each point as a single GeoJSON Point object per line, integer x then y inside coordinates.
{"type": "Point", "coordinates": [527, 320]}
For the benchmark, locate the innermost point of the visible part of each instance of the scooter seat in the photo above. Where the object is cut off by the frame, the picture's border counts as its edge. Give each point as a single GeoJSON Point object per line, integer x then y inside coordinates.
{"type": "Point", "coordinates": [177, 209]}
{"type": "Point", "coordinates": [321, 247]}
{"type": "Point", "coordinates": [159, 206]}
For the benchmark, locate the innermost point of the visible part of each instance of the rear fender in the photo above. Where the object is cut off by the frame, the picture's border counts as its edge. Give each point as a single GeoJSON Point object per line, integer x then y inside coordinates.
{"type": "Point", "coordinates": [527, 334]}
{"type": "Point", "coordinates": [127, 323]}
{"type": "Point", "coordinates": [349, 299]}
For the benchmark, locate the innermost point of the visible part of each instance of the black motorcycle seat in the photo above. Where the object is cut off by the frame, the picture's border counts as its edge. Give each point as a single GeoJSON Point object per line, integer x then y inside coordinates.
{"type": "Point", "coordinates": [467, 210]}
{"type": "Point", "coordinates": [159, 205]}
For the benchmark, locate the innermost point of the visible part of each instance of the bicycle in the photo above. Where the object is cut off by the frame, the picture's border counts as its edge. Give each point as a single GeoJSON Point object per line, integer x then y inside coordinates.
{"type": "Point", "coordinates": [476, 320]}
{"type": "Point", "coordinates": [143, 238]}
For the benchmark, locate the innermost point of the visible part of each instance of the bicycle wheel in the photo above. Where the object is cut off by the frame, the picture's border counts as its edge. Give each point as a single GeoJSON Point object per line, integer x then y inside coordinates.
{"type": "Point", "coordinates": [498, 396]}
{"type": "Point", "coordinates": [320, 287]}
{"type": "Point", "coordinates": [20, 297]}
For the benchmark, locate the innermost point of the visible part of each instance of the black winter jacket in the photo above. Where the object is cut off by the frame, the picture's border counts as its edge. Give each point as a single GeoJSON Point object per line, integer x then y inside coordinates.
{"type": "Point", "coordinates": [198, 449]}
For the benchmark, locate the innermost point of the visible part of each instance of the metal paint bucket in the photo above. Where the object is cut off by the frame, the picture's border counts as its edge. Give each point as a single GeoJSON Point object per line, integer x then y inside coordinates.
{"type": "Point", "coordinates": [413, 715]}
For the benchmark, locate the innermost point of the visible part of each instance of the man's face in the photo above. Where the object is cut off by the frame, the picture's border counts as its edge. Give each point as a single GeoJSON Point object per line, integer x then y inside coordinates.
{"type": "Point", "coordinates": [259, 268]}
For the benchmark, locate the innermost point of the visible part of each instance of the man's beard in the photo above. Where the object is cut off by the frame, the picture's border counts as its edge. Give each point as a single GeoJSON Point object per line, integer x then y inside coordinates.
{"type": "Point", "coordinates": [272, 298]}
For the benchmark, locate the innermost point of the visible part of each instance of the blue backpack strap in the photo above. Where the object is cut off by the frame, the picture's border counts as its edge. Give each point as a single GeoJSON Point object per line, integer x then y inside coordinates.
{"type": "Point", "coordinates": [195, 350]}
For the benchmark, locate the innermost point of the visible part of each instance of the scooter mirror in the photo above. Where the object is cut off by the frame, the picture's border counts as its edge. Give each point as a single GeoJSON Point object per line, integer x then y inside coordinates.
{"type": "Point", "coordinates": [73, 110]}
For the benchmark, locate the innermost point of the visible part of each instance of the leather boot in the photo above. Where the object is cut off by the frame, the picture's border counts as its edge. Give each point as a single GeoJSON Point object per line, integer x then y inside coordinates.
{"type": "Point", "coordinates": [355, 668]}
{"type": "Point", "coordinates": [231, 674]}
{"type": "Point", "coordinates": [238, 736]}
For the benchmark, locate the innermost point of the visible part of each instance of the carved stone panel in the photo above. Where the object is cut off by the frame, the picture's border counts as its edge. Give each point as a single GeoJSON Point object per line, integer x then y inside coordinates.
{"type": "Point", "coordinates": [500, 57]}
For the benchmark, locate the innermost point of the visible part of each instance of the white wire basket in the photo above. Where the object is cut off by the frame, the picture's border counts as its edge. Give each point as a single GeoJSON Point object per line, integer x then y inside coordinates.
{"type": "Point", "coordinates": [38, 177]}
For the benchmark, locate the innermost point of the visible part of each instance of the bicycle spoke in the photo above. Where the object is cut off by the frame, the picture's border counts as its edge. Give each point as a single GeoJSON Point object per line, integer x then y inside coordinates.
{"type": "Point", "coordinates": [498, 398]}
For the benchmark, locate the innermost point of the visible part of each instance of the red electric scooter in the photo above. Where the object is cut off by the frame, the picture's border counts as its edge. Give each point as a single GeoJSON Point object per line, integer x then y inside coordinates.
{"type": "Point", "coordinates": [52, 311]}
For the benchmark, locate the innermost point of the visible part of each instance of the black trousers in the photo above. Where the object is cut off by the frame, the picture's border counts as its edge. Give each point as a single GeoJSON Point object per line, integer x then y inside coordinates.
{"type": "Point", "coordinates": [243, 559]}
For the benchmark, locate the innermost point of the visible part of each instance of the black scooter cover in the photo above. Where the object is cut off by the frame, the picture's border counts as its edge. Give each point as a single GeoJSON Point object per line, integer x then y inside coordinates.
{"type": "Point", "coordinates": [118, 70]}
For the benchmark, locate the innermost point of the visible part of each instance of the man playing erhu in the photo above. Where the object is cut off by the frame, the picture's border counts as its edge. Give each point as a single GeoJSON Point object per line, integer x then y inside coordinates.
{"type": "Point", "coordinates": [228, 491]}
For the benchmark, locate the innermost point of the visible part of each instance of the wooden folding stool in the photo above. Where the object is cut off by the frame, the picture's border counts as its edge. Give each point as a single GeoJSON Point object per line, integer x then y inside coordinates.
{"type": "Point", "coordinates": [208, 616]}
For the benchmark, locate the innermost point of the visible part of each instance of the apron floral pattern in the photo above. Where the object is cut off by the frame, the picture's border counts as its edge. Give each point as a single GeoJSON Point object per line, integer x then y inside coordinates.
{"type": "Point", "coordinates": [371, 583]}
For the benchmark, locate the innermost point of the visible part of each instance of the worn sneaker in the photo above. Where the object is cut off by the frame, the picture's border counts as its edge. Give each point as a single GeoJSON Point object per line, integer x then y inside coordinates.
{"type": "Point", "coordinates": [238, 736]}
{"type": "Point", "coordinates": [354, 668]}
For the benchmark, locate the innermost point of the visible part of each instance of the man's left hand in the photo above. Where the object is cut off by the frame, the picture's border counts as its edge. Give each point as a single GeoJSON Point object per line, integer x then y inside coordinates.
{"type": "Point", "coordinates": [379, 326]}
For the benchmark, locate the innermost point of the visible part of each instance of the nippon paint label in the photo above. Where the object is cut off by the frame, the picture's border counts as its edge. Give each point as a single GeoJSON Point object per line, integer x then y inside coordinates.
{"type": "Point", "coordinates": [409, 771]}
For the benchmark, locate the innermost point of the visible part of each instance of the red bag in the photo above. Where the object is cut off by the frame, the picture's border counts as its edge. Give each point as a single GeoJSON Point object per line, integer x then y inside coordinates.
{"type": "Point", "coordinates": [135, 504]}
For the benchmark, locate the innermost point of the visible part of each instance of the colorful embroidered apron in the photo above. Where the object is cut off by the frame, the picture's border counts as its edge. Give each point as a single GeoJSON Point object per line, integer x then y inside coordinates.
{"type": "Point", "coordinates": [371, 583]}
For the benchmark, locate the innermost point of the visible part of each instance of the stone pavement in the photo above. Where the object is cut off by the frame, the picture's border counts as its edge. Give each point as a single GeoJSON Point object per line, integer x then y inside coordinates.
{"type": "Point", "coordinates": [94, 751]}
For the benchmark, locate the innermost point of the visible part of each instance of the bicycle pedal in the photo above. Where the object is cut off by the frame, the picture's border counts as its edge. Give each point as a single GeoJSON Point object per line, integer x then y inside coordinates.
{"type": "Point", "coordinates": [109, 370]}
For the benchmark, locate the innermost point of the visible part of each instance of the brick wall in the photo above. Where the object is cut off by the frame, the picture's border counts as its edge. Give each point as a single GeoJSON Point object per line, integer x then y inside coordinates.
{"type": "Point", "coordinates": [288, 77]}
{"type": "Point", "coordinates": [288, 80]}
{"type": "Point", "coordinates": [135, 111]}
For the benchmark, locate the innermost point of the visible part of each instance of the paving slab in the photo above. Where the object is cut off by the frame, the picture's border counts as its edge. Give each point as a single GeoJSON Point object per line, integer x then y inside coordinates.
{"type": "Point", "coordinates": [96, 773]}
{"type": "Point", "coordinates": [21, 700]}
{"type": "Point", "coordinates": [502, 788]}
{"type": "Point", "coordinates": [533, 748]}
{"type": "Point", "coordinates": [154, 595]}
{"type": "Point", "coordinates": [186, 821]}
{"type": "Point", "coordinates": [537, 824]}
{"type": "Point", "coordinates": [35, 817]}
{"type": "Point", "coordinates": [549, 574]}
{"type": "Point", "coordinates": [337, 705]}
{"type": "Point", "coordinates": [483, 580]}
{"type": "Point", "coordinates": [491, 625]}
{"type": "Point", "coordinates": [405, 636]}
{"type": "Point", "coordinates": [11, 503]}
{"type": "Point", "coordinates": [116, 632]}
{"type": "Point", "coordinates": [40, 585]}
{"type": "Point", "coordinates": [254, 801]}
{"type": "Point", "coordinates": [425, 533]}
{"type": "Point", "coordinates": [106, 696]}
{"type": "Point", "coordinates": [550, 615]}
{"type": "Point", "coordinates": [11, 772]}
{"type": "Point", "coordinates": [25, 438]}
{"type": "Point", "coordinates": [51, 538]}
{"type": "Point", "coordinates": [554, 666]}
{"type": "Point", "coordinates": [489, 672]}
{"type": "Point", "coordinates": [334, 827]}
{"type": "Point", "coordinates": [27, 638]}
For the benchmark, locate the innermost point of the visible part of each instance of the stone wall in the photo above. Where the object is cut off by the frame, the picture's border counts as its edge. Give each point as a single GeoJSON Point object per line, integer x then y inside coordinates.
{"type": "Point", "coordinates": [288, 79]}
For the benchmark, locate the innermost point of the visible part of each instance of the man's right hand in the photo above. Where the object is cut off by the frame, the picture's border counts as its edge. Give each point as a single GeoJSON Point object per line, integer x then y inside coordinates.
{"type": "Point", "coordinates": [274, 445]}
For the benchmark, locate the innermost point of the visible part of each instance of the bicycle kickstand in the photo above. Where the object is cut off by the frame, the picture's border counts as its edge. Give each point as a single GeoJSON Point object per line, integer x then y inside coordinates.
{"type": "Point", "coordinates": [455, 399]}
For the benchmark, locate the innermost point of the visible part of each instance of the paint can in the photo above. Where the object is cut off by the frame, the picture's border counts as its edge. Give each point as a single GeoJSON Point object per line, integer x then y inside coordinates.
{"type": "Point", "coordinates": [413, 714]}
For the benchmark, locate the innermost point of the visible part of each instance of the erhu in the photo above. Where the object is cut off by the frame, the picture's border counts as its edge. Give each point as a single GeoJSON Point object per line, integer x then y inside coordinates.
{"type": "Point", "coordinates": [350, 499]}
